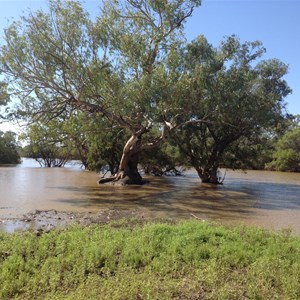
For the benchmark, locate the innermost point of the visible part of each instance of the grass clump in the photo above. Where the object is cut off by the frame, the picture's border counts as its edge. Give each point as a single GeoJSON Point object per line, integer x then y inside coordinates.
{"type": "Point", "coordinates": [185, 260]}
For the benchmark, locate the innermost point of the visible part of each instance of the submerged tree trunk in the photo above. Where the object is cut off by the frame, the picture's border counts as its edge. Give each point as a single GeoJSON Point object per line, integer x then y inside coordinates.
{"type": "Point", "coordinates": [210, 174]}
{"type": "Point", "coordinates": [128, 168]}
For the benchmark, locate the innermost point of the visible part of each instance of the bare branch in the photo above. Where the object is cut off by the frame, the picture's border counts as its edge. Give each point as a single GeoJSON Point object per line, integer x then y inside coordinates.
{"type": "Point", "coordinates": [93, 108]}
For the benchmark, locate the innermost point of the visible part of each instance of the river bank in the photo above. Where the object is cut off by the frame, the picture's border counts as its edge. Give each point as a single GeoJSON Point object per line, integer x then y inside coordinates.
{"type": "Point", "coordinates": [130, 259]}
{"type": "Point", "coordinates": [44, 221]}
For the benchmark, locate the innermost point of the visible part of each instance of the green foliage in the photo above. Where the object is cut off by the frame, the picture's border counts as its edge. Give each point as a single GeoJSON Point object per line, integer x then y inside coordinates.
{"type": "Point", "coordinates": [9, 148]}
{"type": "Point", "coordinates": [4, 96]}
{"type": "Point", "coordinates": [165, 160]}
{"type": "Point", "coordinates": [247, 153]}
{"type": "Point", "coordinates": [47, 144]}
{"type": "Point", "coordinates": [50, 56]}
{"type": "Point", "coordinates": [104, 147]}
{"type": "Point", "coordinates": [287, 152]}
{"type": "Point", "coordinates": [130, 71]}
{"type": "Point", "coordinates": [239, 98]}
{"type": "Point", "coordinates": [115, 68]}
{"type": "Point", "coordinates": [185, 260]}
{"type": "Point", "coordinates": [95, 141]}
{"type": "Point", "coordinates": [114, 65]}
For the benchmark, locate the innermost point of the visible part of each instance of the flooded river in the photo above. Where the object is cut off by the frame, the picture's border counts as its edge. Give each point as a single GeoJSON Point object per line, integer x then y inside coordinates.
{"type": "Point", "coordinates": [269, 199]}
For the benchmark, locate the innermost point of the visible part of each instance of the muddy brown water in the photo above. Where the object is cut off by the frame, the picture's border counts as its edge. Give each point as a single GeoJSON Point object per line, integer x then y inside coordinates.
{"type": "Point", "coordinates": [268, 199]}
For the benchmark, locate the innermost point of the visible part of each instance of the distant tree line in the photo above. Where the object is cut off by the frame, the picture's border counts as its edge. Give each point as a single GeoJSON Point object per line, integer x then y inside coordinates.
{"type": "Point", "coordinates": [279, 151]}
{"type": "Point", "coordinates": [126, 91]}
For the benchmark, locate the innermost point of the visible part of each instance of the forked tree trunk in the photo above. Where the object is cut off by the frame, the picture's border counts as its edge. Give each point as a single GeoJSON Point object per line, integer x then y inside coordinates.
{"type": "Point", "coordinates": [128, 168]}
{"type": "Point", "coordinates": [209, 175]}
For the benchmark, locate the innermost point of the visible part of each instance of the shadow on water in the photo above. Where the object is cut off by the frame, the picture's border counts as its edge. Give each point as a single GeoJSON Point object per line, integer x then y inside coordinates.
{"type": "Point", "coordinates": [181, 196]}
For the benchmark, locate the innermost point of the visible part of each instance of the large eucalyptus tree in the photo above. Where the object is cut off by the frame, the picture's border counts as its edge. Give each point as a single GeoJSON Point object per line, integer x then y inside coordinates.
{"type": "Point", "coordinates": [118, 67]}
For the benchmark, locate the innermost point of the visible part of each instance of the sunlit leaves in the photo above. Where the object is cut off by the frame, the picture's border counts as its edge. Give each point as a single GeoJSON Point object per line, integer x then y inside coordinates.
{"type": "Point", "coordinates": [118, 62]}
{"type": "Point", "coordinates": [287, 154]}
{"type": "Point", "coordinates": [49, 54]}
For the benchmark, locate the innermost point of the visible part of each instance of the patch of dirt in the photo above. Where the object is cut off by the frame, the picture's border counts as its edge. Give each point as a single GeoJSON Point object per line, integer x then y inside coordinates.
{"type": "Point", "coordinates": [45, 221]}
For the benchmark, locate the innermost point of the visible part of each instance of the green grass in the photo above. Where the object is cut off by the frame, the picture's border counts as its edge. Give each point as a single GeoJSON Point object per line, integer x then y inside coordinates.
{"type": "Point", "coordinates": [184, 260]}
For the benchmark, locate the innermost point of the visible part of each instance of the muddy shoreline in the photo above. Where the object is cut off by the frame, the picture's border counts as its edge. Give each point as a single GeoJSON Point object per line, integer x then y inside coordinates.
{"type": "Point", "coordinates": [42, 221]}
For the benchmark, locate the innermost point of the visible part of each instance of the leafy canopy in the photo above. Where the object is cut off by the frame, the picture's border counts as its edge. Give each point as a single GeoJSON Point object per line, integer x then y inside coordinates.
{"type": "Point", "coordinates": [61, 61]}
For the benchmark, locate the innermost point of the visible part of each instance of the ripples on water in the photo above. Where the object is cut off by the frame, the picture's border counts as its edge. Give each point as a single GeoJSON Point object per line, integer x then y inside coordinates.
{"type": "Point", "coordinates": [270, 199]}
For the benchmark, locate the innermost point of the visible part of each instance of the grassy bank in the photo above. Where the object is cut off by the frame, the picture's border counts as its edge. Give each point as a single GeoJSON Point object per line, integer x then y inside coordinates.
{"type": "Point", "coordinates": [186, 260]}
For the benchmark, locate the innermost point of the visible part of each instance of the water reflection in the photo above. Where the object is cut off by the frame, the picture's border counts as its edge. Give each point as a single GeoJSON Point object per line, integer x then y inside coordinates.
{"type": "Point", "coordinates": [270, 199]}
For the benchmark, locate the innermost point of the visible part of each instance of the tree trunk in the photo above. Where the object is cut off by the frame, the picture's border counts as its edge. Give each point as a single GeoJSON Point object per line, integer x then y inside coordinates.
{"type": "Point", "coordinates": [209, 175]}
{"type": "Point", "coordinates": [128, 168]}
{"type": "Point", "coordinates": [209, 172]}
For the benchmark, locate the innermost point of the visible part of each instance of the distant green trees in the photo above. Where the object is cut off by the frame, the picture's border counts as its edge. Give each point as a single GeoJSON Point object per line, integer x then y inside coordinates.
{"type": "Point", "coordinates": [9, 148]}
{"type": "Point", "coordinates": [287, 152]}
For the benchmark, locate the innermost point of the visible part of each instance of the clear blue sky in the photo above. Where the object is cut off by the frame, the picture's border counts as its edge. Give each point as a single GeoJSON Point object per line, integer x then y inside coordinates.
{"type": "Point", "coordinates": [276, 23]}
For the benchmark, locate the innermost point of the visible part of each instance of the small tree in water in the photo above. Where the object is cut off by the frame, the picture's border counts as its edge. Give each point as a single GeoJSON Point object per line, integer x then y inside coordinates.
{"type": "Point", "coordinates": [47, 144]}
